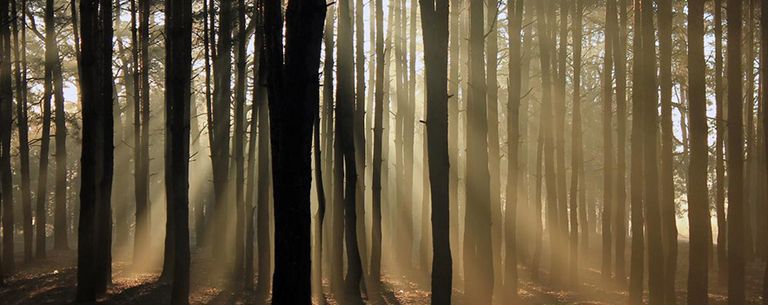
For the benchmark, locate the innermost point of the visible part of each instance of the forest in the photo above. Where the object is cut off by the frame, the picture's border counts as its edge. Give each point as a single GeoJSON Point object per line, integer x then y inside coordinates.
{"type": "Point", "coordinates": [386, 152]}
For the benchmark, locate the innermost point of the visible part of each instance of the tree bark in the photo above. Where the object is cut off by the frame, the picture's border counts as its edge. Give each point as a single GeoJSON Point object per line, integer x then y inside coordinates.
{"type": "Point", "coordinates": [636, 163]}
{"type": "Point", "coordinates": [293, 103]}
{"type": "Point", "coordinates": [720, 126]}
{"type": "Point", "coordinates": [60, 209]}
{"type": "Point", "coordinates": [577, 159]}
{"type": "Point", "coordinates": [94, 257]}
{"type": "Point", "coordinates": [239, 140]}
{"type": "Point", "coordinates": [378, 157]}
{"type": "Point", "coordinates": [6, 109]}
{"type": "Point", "coordinates": [620, 63]}
{"type": "Point", "coordinates": [434, 24]}
{"type": "Point", "coordinates": [608, 162]}
{"type": "Point", "coordinates": [515, 13]}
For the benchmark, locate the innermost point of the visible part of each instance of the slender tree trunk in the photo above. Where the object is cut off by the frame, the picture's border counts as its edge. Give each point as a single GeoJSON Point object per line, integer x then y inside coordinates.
{"type": "Point", "coordinates": [698, 210]}
{"type": "Point", "coordinates": [178, 76]}
{"type": "Point", "coordinates": [94, 257]}
{"type": "Point", "coordinates": [293, 80]}
{"type": "Point", "coordinates": [202, 215]}
{"type": "Point", "coordinates": [720, 126]}
{"type": "Point", "coordinates": [619, 56]}
{"type": "Point", "coordinates": [608, 163]}
{"type": "Point", "coordinates": [22, 121]}
{"type": "Point", "coordinates": [434, 24]}
{"type": "Point", "coordinates": [263, 244]}
{"type": "Point", "coordinates": [636, 163]}
{"type": "Point", "coordinates": [141, 128]}
{"type": "Point", "coordinates": [60, 231]}
{"type": "Point", "coordinates": [559, 68]}
{"type": "Point", "coordinates": [656, 276]}
{"type": "Point", "coordinates": [6, 110]}
{"type": "Point", "coordinates": [538, 227]}
{"type": "Point", "coordinates": [251, 209]}
{"type": "Point", "coordinates": [378, 157]}
{"type": "Point", "coordinates": [515, 13]}
{"type": "Point", "coordinates": [735, 155]}
{"type": "Point", "coordinates": [359, 131]}
{"type": "Point", "coordinates": [239, 139]}
{"type": "Point", "coordinates": [478, 266]}
{"type": "Point", "coordinates": [577, 160]}
{"type": "Point", "coordinates": [668, 225]}
{"type": "Point", "coordinates": [453, 124]}
{"type": "Point", "coordinates": [764, 97]}
{"type": "Point", "coordinates": [492, 121]}
{"type": "Point", "coordinates": [42, 178]}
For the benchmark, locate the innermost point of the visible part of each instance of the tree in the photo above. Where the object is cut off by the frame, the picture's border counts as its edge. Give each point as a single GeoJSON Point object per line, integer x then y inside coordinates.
{"type": "Point", "coordinates": [478, 266]}
{"type": "Point", "coordinates": [239, 139]}
{"type": "Point", "coordinates": [577, 160]}
{"type": "Point", "coordinates": [620, 65]}
{"type": "Point", "coordinates": [251, 209]}
{"type": "Point", "coordinates": [608, 199]}
{"type": "Point", "coordinates": [42, 180]}
{"type": "Point", "coordinates": [140, 44]}
{"type": "Point", "coordinates": [735, 153]}
{"type": "Point", "coordinates": [637, 263]}
{"type": "Point", "coordinates": [6, 107]}
{"type": "Point", "coordinates": [668, 225]}
{"type": "Point", "coordinates": [378, 159]}
{"type": "Point", "coordinates": [513, 135]}
{"type": "Point", "coordinates": [60, 228]}
{"type": "Point", "coordinates": [293, 104]}
{"type": "Point", "coordinates": [764, 88]}
{"type": "Point", "coordinates": [720, 126]}
{"type": "Point", "coordinates": [263, 243]}
{"type": "Point", "coordinates": [698, 204]}
{"type": "Point", "coordinates": [22, 122]}
{"type": "Point", "coordinates": [650, 119]}
{"type": "Point", "coordinates": [94, 257]}
{"type": "Point", "coordinates": [434, 25]}
{"type": "Point", "coordinates": [178, 76]}
{"type": "Point", "coordinates": [492, 120]}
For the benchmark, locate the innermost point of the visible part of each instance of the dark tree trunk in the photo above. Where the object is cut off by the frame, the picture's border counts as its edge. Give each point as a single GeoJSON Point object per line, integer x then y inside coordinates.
{"type": "Point", "coordinates": [202, 215]}
{"type": "Point", "coordinates": [453, 124]}
{"type": "Point", "coordinates": [378, 158]}
{"type": "Point", "coordinates": [698, 207]}
{"type": "Point", "coordinates": [239, 140]}
{"type": "Point", "coordinates": [620, 62]}
{"type": "Point", "coordinates": [293, 104]}
{"type": "Point", "coordinates": [492, 121]}
{"type": "Point", "coordinates": [668, 225]}
{"type": "Point", "coordinates": [42, 178]}
{"type": "Point", "coordinates": [434, 25]}
{"type": "Point", "coordinates": [258, 98]}
{"type": "Point", "coordinates": [735, 153]}
{"type": "Point", "coordinates": [6, 110]}
{"type": "Point", "coordinates": [20, 53]}
{"type": "Point", "coordinates": [559, 58]}
{"type": "Point", "coordinates": [345, 112]}
{"type": "Point", "coordinates": [178, 75]}
{"type": "Point", "coordinates": [720, 126]}
{"type": "Point", "coordinates": [764, 90]}
{"type": "Point", "coordinates": [263, 219]}
{"type": "Point", "coordinates": [60, 209]}
{"type": "Point", "coordinates": [141, 127]}
{"type": "Point", "coordinates": [636, 163]}
{"type": "Point", "coordinates": [577, 159]}
{"type": "Point", "coordinates": [222, 69]}
{"type": "Point", "coordinates": [515, 13]}
{"type": "Point", "coordinates": [650, 119]}
{"type": "Point", "coordinates": [94, 257]}
{"type": "Point", "coordinates": [478, 266]}
{"type": "Point", "coordinates": [359, 132]}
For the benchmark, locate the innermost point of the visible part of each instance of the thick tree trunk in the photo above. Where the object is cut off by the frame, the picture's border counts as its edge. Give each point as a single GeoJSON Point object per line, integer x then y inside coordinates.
{"type": "Point", "coordinates": [453, 124]}
{"type": "Point", "coordinates": [250, 209]}
{"type": "Point", "coordinates": [698, 207]}
{"type": "Point", "coordinates": [141, 128]}
{"type": "Point", "coordinates": [60, 209]}
{"type": "Point", "coordinates": [293, 103]}
{"type": "Point", "coordinates": [239, 139]}
{"type": "Point", "coordinates": [735, 153]}
{"type": "Point", "coordinates": [764, 97]}
{"type": "Point", "coordinates": [94, 259]}
{"type": "Point", "coordinates": [263, 219]}
{"type": "Point", "coordinates": [434, 24]}
{"type": "Point", "coordinates": [178, 75]}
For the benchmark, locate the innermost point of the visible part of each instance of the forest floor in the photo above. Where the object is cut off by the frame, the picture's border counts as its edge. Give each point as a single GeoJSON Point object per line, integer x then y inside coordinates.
{"type": "Point", "coordinates": [52, 281]}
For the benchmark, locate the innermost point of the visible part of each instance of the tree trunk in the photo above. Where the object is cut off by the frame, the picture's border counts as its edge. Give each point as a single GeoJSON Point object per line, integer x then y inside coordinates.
{"type": "Point", "coordinates": [559, 70]}
{"type": "Point", "coordinates": [720, 126]}
{"type": "Point", "coordinates": [178, 75]}
{"type": "Point", "coordinates": [293, 103]}
{"type": "Point", "coordinates": [453, 124]}
{"type": "Point", "coordinates": [60, 209]}
{"type": "Point", "coordinates": [636, 163]}
{"type": "Point", "coordinates": [6, 110]}
{"type": "Point", "coordinates": [515, 13]}
{"type": "Point", "coordinates": [434, 24]}
{"type": "Point", "coordinates": [492, 121]}
{"type": "Point", "coordinates": [359, 131]}
{"type": "Point", "coordinates": [239, 139]}
{"type": "Point", "coordinates": [698, 210]}
{"type": "Point", "coordinates": [668, 225]}
{"type": "Point", "coordinates": [656, 275]}
{"type": "Point", "coordinates": [378, 157]}
{"type": "Point", "coordinates": [764, 90]}
{"type": "Point", "coordinates": [22, 122]}
{"type": "Point", "coordinates": [42, 178]}
{"type": "Point", "coordinates": [141, 128]}
{"type": "Point", "coordinates": [258, 98]}
{"type": "Point", "coordinates": [735, 155]}
{"type": "Point", "coordinates": [619, 56]}
{"type": "Point", "coordinates": [478, 266]}
{"type": "Point", "coordinates": [608, 163]}
{"type": "Point", "coordinates": [94, 257]}
{"type": "Point", "coordinates": [263, 219]}
{"type": "Point", "coordinates": [577, 159]}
